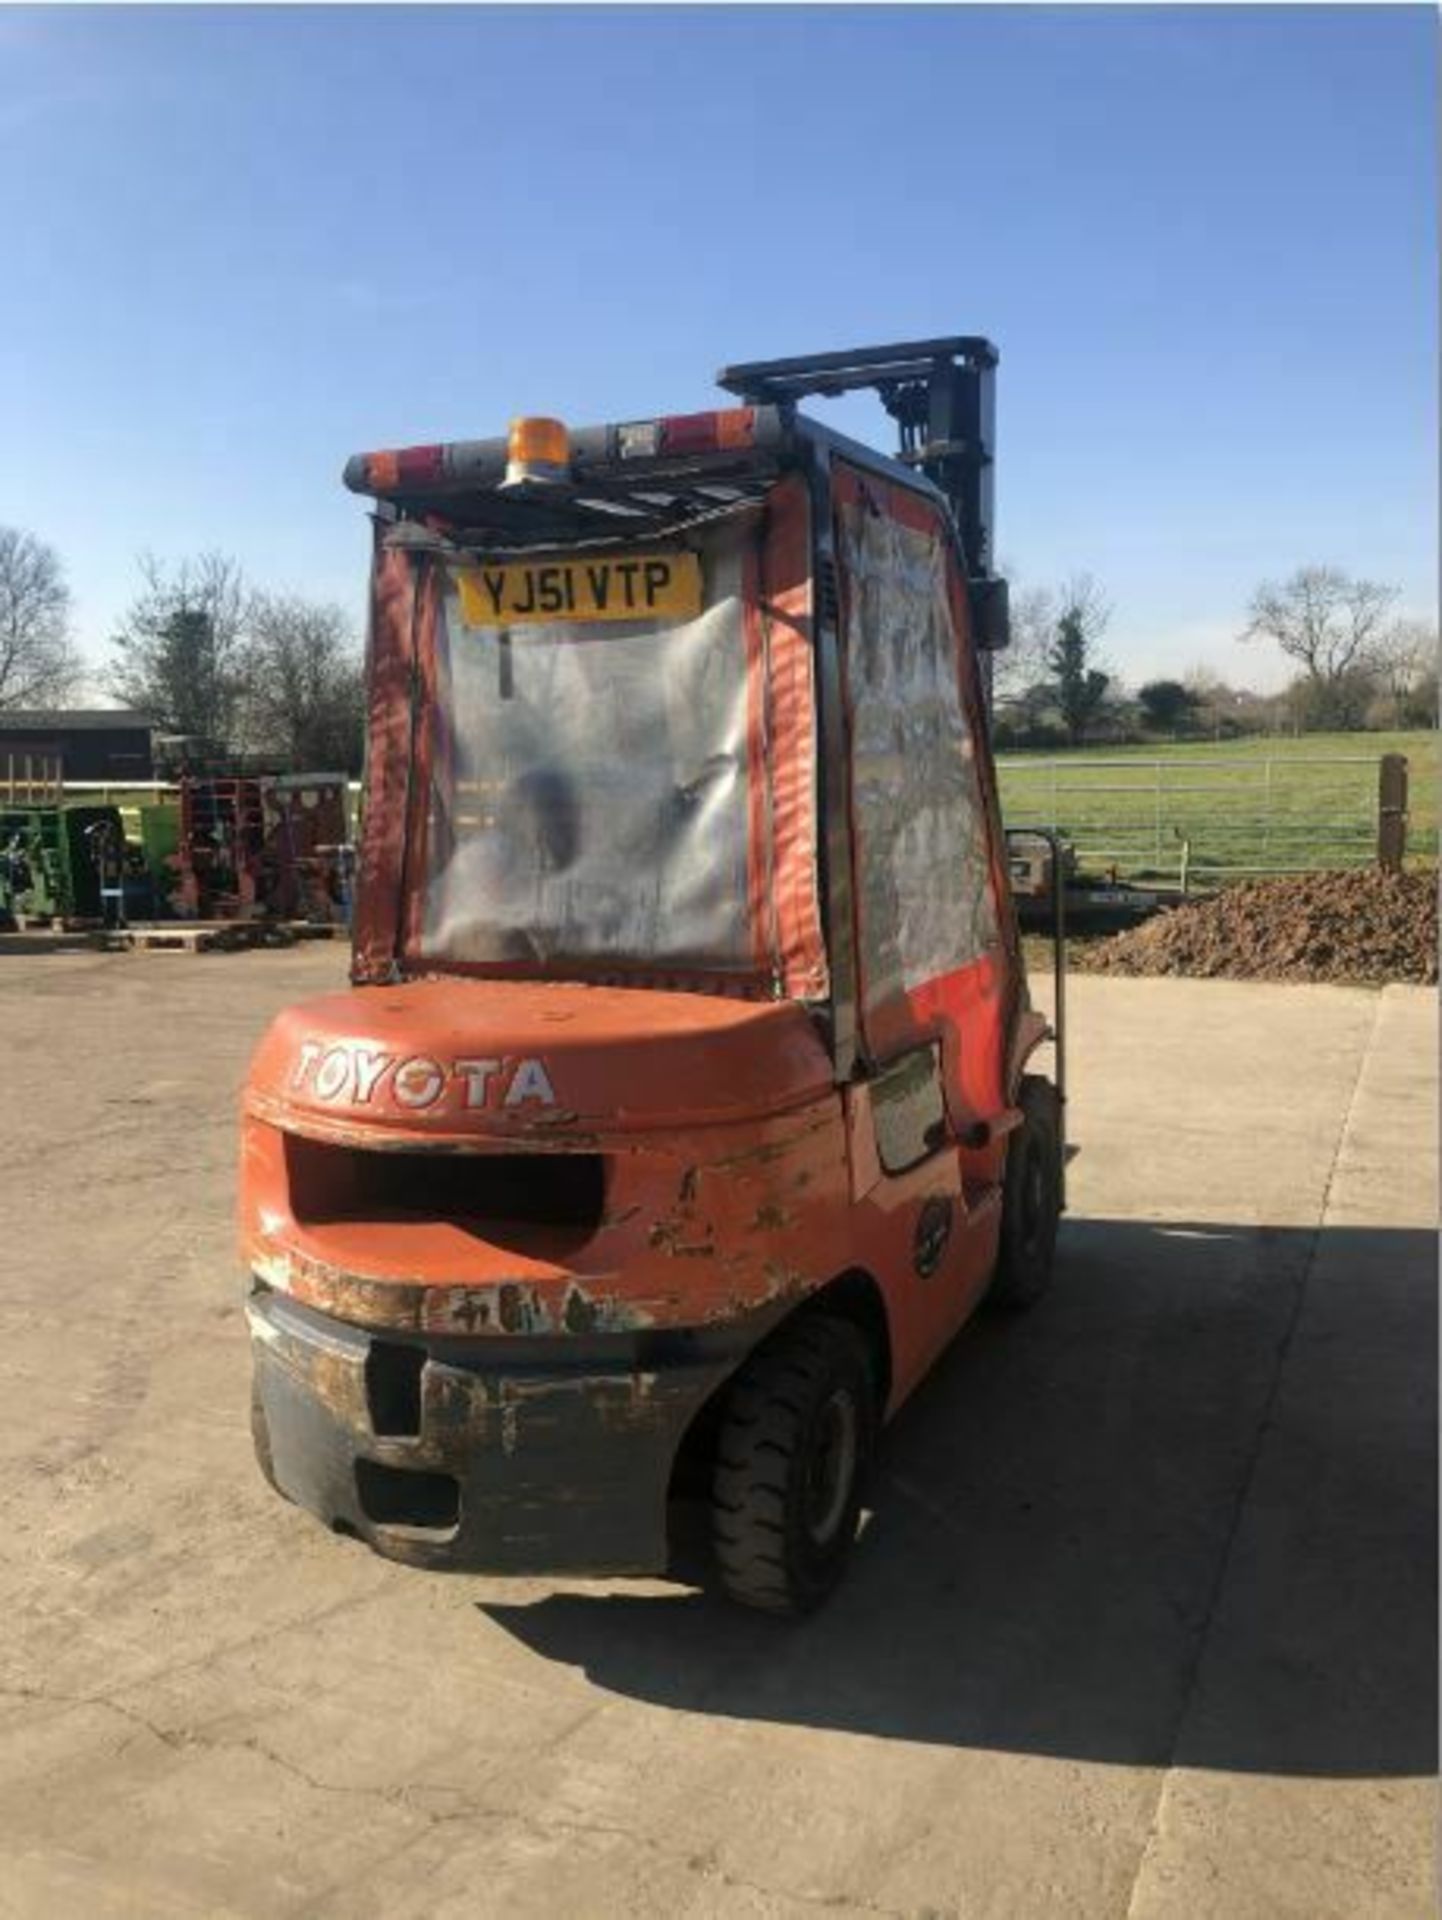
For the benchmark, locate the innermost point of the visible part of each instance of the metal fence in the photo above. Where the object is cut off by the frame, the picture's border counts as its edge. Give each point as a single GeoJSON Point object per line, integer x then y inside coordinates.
{"type": "Point", "coordinates": [1176, 821]}
{"type": "Point", "coordinates": [1192, 819]}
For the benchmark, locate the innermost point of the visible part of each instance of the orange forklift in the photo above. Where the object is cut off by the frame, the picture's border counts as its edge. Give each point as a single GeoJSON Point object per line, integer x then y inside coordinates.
{"type": "Point", "coordinates": [679, 1112]}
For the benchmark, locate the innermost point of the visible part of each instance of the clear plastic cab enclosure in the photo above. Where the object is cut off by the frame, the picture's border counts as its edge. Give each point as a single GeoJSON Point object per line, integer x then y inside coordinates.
{"type": "Point", "coordinates": [597, 761]}
{"type": "Point", "coordinates": [697, 710]}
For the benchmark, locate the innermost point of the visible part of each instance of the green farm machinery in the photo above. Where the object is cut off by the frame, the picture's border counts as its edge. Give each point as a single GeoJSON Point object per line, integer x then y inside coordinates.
{"type": "Point", "coordinates": [61, 865]}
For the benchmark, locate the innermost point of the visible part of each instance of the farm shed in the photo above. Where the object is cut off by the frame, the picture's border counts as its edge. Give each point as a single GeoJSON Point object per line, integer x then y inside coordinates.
{"type": "Point", "coordinates": [90, 743]}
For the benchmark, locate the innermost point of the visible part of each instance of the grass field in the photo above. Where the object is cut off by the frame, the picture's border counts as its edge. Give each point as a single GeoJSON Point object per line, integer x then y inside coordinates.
{"type": "Point", "coordinates": [1259, 804]}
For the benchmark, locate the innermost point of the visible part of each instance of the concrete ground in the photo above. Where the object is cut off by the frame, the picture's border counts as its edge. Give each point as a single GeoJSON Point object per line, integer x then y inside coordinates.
{"type": "Point", "coordinates": [1143, 1624]}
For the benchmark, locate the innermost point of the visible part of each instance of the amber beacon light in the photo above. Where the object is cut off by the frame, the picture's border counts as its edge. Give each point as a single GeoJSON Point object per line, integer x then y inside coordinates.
{"type": "Point", "coordinates": [538, 451]}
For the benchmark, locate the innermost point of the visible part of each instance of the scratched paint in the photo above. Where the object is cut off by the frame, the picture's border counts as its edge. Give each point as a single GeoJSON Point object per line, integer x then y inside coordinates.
{"type": "Point", "coordinates": [423, 1276]}
{"type": "Point", "coordinates": [701, 1226]}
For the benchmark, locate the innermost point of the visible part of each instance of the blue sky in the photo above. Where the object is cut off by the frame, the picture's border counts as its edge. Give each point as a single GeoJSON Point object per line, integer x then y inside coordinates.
{"type": "Point", "coordinates": [242, 244]}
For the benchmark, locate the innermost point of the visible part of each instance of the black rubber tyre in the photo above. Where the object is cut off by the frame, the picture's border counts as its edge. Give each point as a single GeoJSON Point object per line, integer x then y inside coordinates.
{"type": "Point", "coordinates": [795, 1443]}
{"type": "Point", "coordinates": [1031, 1207]}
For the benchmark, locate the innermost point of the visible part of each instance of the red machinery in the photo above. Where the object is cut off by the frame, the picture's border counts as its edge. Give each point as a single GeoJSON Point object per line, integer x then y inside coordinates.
{"type": "Point", "coordinates": [262, 846]}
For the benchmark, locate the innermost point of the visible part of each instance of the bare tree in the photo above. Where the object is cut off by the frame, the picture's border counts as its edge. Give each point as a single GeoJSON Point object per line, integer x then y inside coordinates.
{"type": "Point", "coordinates": [1407, 669]}
{"type": "Point", "coordinates": [304, 698]}
{"type": "Point", "coordinates": [38, 662]}
{"type": "Point", "coordinates": [1085, 599]}
{"type": "Point", "coordinates": [1079, 686]}
{"type": "Point", "coordinates": [1329, 623]}
{"type": "Point", "coordinates": [1022, 663]}
{"type": "Point", "coordinates": [181, 647]}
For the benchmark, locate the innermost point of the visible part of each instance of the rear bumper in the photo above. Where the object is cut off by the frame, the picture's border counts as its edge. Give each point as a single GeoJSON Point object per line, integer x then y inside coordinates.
{"type": "Point", "coordinates": [501, 1454]}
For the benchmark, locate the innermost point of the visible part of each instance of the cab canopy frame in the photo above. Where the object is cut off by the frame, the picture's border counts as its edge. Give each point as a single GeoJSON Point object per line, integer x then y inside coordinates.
{"type": "Point", "coordinates": [458, 492]}
{"type": "Point", "coordinates": [800, 486]}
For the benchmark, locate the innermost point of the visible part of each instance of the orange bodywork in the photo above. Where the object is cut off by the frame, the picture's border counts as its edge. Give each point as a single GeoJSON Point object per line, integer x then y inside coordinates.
{"type": "Point", "coordinates": [737, 1177]}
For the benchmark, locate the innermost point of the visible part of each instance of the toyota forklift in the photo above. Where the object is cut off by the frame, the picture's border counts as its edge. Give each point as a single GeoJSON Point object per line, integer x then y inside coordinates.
{"type": "Point", "coordinates": [682, 1106]}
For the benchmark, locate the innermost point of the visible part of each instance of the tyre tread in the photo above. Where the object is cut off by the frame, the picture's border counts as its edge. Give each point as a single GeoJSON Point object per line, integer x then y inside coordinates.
{"type": "Point", "coordinates": [761, 1431]}
{"type": "Point", "coordinates": [1014, 1286]}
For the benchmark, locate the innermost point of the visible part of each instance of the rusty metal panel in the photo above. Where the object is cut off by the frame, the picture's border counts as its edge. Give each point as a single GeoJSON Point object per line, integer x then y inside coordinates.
{"type": "Point", "coordinates": [552, 1464]}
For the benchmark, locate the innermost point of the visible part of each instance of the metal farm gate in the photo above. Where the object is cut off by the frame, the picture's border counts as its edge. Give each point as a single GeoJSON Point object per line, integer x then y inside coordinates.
{"type": "Point", "coordinates": [1187, 820]}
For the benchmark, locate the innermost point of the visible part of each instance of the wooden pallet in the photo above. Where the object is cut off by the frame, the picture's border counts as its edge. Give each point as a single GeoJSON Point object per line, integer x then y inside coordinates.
{"type": "Point", "coordinates": [48, 940]}
{"type": "Point", "coordinates": [55, 923]}
{"type": "Point", "coordinates": [197, 936]}
{"type": "Point", "coordinates": [315, 929]}
{"type": "Point", "coordinates": [218, 936]}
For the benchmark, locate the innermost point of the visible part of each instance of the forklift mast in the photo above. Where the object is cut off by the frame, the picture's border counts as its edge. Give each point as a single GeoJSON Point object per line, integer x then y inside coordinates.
{"type": "Point", "coordinates": [942, 396]}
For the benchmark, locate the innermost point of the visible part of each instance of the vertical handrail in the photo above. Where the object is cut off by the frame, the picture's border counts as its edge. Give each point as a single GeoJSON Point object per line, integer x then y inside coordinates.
{"type": "Point", "coordinates": [1058, 958]}
{"type": "Point", "coordinates": [1058, 952]}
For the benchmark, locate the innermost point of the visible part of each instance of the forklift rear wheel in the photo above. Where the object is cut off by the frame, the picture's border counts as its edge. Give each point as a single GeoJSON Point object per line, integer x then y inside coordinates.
{"type": "Point", "coordinates": [794, 1447]}
{"type": "Point", "coordinates": [1031, 1203]}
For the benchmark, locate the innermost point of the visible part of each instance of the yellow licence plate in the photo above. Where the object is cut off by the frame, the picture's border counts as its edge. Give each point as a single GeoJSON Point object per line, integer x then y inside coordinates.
{"type": "Point", "coordinates": [613, 586]}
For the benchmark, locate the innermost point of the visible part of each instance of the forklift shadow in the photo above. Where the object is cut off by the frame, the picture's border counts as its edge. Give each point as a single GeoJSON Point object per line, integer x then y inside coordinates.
{"type": "Point", "coordinates": [1167, 1518]}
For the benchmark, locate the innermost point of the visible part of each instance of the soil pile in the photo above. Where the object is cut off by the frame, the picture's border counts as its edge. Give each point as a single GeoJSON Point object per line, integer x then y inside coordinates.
{"type": "Point", "coordinates": [1363, 928]}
